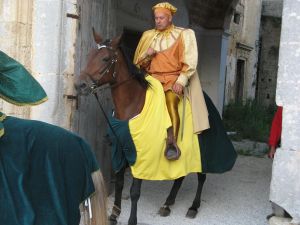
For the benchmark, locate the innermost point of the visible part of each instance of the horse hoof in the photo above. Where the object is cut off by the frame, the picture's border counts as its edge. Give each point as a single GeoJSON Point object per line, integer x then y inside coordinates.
{"type": "Point", "coordinates": [132, 221]}
{"type": "Point", "coordinates": [270, 216]}
{"type": "Point", "coordinates": [113, 222]}
{"type": "Point", "coordinates": [191, 213]}
{"type": "Point", "coordinates": [164, 211]}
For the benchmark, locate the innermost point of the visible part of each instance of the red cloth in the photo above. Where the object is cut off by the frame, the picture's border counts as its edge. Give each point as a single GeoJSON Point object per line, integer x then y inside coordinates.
{"type": "Point", "coordinates": [275, 132]}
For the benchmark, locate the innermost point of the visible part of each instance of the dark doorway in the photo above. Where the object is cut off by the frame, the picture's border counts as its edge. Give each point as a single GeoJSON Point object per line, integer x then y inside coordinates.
{"type": "Point", "coordinates": [240, 71]}
{"type": "Point", "coordinates": [131, 38]}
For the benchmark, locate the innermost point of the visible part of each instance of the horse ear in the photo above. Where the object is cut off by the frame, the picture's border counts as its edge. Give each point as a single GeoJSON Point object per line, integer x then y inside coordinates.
{"type": "Point", "coordinates": [116, 41]}
{"type": "Point", "coordinates": [97, 37]}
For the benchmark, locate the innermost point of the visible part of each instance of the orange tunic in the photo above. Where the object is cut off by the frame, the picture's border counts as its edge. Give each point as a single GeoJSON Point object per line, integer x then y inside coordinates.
{"type": "Point", "coordinates": [167, 64]}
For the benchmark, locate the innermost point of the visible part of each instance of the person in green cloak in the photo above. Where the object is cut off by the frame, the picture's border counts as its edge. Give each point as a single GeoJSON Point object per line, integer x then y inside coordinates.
{"type": "Point", "coordinates": [45, 171]}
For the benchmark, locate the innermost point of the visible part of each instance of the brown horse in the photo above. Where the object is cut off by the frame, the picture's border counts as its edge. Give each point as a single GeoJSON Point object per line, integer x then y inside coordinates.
{"type": "Point", "coordinates": [110, 64]}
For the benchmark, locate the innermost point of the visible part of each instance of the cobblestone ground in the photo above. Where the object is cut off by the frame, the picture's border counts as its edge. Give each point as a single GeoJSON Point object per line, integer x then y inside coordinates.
{"type": "Point", "coordinates": [239, 197]}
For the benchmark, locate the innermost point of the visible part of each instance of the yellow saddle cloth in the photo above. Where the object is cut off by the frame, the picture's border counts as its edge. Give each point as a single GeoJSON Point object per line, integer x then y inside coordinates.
{"type": "Point", "coordinates": [149, 132]}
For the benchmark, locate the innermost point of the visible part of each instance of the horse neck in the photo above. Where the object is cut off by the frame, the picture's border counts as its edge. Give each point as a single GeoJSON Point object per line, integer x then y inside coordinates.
{"type": "Point", "coordinates": [129, 95]}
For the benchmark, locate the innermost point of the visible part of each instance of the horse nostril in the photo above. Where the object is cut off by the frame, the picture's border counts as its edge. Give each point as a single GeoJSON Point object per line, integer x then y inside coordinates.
{"type": "Point", "coordinates": [83, 88]}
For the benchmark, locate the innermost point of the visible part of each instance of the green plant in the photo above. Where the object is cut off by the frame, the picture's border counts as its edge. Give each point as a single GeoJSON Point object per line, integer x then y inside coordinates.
{"type": "Point", "coordinates": [250, 120]}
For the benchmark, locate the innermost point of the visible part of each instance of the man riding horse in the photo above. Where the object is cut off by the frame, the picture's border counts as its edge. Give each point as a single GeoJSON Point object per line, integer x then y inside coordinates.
{"type": "Point", "coordinates": [140, 123]}
{"type": "Point", "coordinates": [169, 53]}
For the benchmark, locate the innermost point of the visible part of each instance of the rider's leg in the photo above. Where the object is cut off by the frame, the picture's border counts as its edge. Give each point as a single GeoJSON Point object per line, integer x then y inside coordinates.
{"type": "Point", "coordinates": [172, 101]}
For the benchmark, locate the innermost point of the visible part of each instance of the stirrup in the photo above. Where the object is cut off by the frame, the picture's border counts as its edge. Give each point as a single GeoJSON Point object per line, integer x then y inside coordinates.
{"type": "Point", "coordinates": [172, 152]}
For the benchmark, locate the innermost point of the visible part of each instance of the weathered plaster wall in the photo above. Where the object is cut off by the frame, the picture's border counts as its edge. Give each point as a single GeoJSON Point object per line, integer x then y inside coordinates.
{"type": "Point", "coordinates": [15, 40]}
{"type": "Point", "coordinates": [212, 45]}
{"type": "Point", "coordinates": [210, 14]}
{"type": "Point", "coordinates": [243, 44]}
{"type": "Point", "coordinates": [285, 175]}
{"type": "Point", "coordinates": [53, 42]}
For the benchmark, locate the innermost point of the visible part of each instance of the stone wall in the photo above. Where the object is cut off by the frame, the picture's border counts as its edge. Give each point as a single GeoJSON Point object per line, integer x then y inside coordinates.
{"type": "Point", "coordinates": [272, 8]}
{"type": "Point", "coordinates": [15, 40]}
{"type": "Point", "coordinates": [268, 59]}
{"type": "Point", "coordinates": [269, 50]}
{"type": "Point", "coordinates": [285, 182]}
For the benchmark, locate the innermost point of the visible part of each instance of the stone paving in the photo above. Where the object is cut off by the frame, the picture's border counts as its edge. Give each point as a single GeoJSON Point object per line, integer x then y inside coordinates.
{"type": "Point", "coordinates": [239, 197]}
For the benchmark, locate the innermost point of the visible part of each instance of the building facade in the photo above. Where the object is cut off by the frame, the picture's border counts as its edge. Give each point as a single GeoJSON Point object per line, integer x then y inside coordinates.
{"type": "Point", "coordinates": [242, 54]}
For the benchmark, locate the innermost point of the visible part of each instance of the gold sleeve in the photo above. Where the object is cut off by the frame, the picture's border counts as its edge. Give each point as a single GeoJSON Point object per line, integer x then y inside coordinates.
{"type": "Point", "coordinates": [143, 45]}
{"type": "Point", "coordinates": [190, 56]}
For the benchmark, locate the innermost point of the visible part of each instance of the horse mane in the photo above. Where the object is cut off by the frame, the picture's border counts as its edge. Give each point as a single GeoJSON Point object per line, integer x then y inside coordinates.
{"type": "Point", "coordinates": [137, 73]}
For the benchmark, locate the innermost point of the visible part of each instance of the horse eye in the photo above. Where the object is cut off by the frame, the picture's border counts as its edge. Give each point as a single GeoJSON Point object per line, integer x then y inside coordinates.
{"type": "Point", "coordinates": [106, 59]}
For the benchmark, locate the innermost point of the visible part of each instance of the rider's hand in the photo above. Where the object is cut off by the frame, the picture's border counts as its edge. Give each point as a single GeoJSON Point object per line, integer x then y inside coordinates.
{"type": "Point", "coordinates": [178, 88]}
{"type": "Point", "coordinates": [151, 52]}
{"type": "Point", "coordinates": [271, 153]}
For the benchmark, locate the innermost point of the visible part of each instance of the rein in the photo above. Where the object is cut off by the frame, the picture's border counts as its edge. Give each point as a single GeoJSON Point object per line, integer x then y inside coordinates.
{"type": "Point", "coordinates": [107, 121]}
{"type": "Point", "coordinates": [95, 87]}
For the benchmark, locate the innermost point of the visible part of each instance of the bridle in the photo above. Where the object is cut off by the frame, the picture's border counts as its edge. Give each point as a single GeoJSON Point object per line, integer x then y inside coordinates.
{"type": "Point", "coordinates": [95, 87]}
{"type": "Point", "coordinates": [112, 64]}
{"type": "Point", "coordinates": [113, 61]}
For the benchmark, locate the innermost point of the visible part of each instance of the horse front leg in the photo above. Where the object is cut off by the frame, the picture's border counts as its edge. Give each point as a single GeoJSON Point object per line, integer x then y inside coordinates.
{"type": "Point", "coordinates": [193, 210]}
{"type": "Point", "coordinates": [135, 192]}
{"type": "Point", "coordinates": [165, 210]}
{"type": "Point", "coordinates": [116, 210]}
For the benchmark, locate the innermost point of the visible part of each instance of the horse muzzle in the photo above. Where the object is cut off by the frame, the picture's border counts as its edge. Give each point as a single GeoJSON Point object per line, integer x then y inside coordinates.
{"type": "Point", "coordinates": [83, 87]}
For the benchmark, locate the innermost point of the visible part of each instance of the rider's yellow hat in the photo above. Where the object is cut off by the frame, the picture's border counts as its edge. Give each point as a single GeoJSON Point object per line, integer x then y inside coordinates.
{"type": "Point", "coordinates": [165, 5]}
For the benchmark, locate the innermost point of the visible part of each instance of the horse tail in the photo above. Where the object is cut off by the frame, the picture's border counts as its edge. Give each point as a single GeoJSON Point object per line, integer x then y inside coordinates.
{"type": "Point", "coordinates": [98, 203]}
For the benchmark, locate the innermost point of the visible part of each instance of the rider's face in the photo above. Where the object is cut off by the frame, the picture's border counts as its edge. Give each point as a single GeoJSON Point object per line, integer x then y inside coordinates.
{"type": "Point", "coordinates": [162, 20]}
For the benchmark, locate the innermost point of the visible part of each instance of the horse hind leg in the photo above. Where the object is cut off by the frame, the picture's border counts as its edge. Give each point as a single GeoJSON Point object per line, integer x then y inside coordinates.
{"type": "Point", "coordinates": [193, 210]}
{"type": "Point", "coordinates": [135, 192]}
{"type": "Point", "coordinates": [165, 209]}
{"type": "Point", "coordinates": [116, 210]}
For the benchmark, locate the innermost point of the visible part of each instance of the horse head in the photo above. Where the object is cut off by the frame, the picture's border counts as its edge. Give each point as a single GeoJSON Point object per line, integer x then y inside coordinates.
{"type": "Point", "coordinates": [101, 65]}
